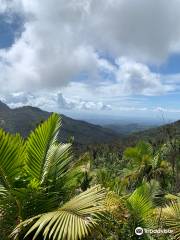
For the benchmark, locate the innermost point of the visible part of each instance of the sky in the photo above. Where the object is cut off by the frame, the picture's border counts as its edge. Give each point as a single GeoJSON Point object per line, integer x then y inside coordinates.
{"type": "Point", "coordinates": [88, 58]}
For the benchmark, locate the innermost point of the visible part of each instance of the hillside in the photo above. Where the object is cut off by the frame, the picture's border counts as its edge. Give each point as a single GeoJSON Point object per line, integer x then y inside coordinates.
{"type": "Point", "coordinates": [158, 134]}
{"type": "Point", "coordinates": [126, 129]}
{"type": "Point", "coordinates": [24, 119]}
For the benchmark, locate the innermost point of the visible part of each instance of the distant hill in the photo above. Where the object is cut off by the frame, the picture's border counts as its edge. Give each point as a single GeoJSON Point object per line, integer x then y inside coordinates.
{"type": "Point", "coordinates": [126, 129]}
{"type": "Point", "coordinates": [158, 134]}
{"type": "Point", "coordinates": [24, 119]}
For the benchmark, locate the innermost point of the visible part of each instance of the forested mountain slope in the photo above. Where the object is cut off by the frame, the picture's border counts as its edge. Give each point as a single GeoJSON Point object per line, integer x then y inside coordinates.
{"type": "Point", "coordinates": [24, 119]}
{"type": "Point", "coordinates": [158, 134]}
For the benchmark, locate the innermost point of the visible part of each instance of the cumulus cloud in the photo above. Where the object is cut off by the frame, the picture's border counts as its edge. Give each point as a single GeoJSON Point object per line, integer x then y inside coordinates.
{"type": "Point", "coordinates": [52, 102]}
{"type": "Point", "coordinates": [80, 104]}
{"type": "Point", "coordinates": [147, 30]}
{"type": "Point", "coordinates": [136, 77]}
{"type": "Point", "coordinates": [63, 39]}
{"type": "Point", "coordinates": [8, 6]}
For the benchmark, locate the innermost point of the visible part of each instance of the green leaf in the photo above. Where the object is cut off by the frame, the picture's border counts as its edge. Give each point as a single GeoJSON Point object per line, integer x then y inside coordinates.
{"type": "Point", "coordinates": [11, 158]}
{"type": "Point", "coordinates": [171, 217]}
{"type": "Point", "coordinates": [3, 191]}
{"type": "Point", "coordinates": [75, 219]}
{"type": "Point", "coordinates": [59, 160]}
{"type": "Point", "coordinates": [39, 144]}
{"type": "Point", "coordinates": [141, 206]}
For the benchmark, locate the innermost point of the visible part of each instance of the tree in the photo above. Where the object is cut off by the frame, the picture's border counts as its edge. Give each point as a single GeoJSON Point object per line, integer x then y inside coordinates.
{"type": "Point", "coordinates": [142, 163]}
{"type": "Point", "coordinates": [133, 210]}
{"type": "Point", "coordinates": [38, 178]}
{"type": "Point", "coordinates": [171, 217]}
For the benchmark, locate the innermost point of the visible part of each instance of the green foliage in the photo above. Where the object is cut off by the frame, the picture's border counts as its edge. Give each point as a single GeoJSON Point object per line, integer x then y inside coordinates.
{"type": "Point", "coordinates": [11, 155]}
{"type": "Point", "coordinates": [47, 193]}
{"type": "Point", "coordinates": [171, 217]}
{"type": "Point", "coordinates": [142, 181]}
{"type": "Point", "coordinates": [40, 146]}
{"type": "Point", "coordinates": [75, 219]}
{"type": "Point", "coordinates": [142, 163]}
{"type": "Point", "coordinates": [37, 177]}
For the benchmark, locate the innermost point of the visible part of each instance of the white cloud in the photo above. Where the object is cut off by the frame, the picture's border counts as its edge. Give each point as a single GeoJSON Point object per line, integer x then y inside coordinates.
{"type": "Point", "coordinates": [8, 6]}
{"type": "Point", "coordinates": [52, 102]}
{"type": "Point", "coordinates": [80, 104]}
{"type": "Point", "coordinates": [62, 39]}
{"type": "Point", "coordinates": [136, 78]}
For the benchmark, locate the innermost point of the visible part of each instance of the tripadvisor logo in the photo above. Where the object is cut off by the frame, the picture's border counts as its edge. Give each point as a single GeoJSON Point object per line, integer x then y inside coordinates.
{"type": "Point", "coordinates": [139, 231]}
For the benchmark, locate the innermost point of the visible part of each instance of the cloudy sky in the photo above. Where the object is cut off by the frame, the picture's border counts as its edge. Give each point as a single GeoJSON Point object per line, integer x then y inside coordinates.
{"type": "Point", "coordinates": [80, 57]}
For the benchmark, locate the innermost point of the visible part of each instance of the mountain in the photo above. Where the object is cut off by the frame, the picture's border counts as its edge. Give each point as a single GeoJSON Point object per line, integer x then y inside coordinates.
{"type": "Point", "coordinates": [3, 107]}
{"type": "Point", "coordinates": [126, 129]}
{"type": "Point", "coordinates": [24, 119]}
{"type": "Point", "coordinates": [158, 134]}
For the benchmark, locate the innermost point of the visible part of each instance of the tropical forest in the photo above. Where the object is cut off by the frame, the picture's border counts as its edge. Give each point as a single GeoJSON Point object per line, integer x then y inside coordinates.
{"type": "Point", "coordinates": [48, 191]}
{"type": "Point", "coordinates": [89, 119]}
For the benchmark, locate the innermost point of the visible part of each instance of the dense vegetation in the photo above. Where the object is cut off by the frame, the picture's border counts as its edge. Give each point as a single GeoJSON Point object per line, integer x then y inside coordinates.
{"type": "Point", "coordinates": [47, 193]}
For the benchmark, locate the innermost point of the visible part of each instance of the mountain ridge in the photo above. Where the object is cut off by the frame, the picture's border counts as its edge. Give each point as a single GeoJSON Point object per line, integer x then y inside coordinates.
{"type": "Point", "coordinates": [158, 134]}
{"type": "Point", "coordinates": [24, 119]}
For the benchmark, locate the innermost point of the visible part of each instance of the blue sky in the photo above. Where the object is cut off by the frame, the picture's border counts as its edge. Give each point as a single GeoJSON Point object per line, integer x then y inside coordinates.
{"type": "Point", "coordinates": [10, 29]}
{"type": "Point", "coordinates": [90, 58]}
{"type": "Point", "coordinates": [171, 65]}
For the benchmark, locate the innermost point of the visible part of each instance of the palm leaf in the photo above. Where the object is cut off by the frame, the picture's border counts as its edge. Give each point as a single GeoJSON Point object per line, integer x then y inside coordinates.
{"type": "Point", "coordinates": [115, 205]}
{"type": "Point", "coordinates": [171, 216]}
{"type": "Point", "coordinates": [141, 206]}
{"type": "Point", "coordinates": [74, 220]}
{"type": "Point", "coordinates": [11, 158]}
{"type": "Point", "coordinates": [63, 172]}
{"type": "Point", "coordinates": [3, 191]}
{"type": "Point", "coordinates": [59, 159]}
{"type": "Point", "coordinates": [38, 144]}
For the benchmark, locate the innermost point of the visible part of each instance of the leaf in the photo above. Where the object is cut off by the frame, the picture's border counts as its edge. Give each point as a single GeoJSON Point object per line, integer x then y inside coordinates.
{"type": "Point", "coordinates": [38, 144]}
{"type": "Point", "coordinates": [76, 219]}
{"type": "Point", "coordinates": [11, 158]}
{"type": "Point", "coordinates": [3, 191]}
{"type": "Point", "coordinates": [141, 206]}
{"type": "Point", "coordinates": [171, 217]}
{"type": "Point", "coordinates": [59, 160]}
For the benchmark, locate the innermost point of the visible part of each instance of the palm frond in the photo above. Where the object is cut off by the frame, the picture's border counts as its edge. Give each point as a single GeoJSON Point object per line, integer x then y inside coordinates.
{"type": "Point", "coordinates": [38, 144]}
{"type": "Point", "coordinates": [141, 206]}
{"type": "Point", "coordinates": [116, 206]}
{"type": "Point", "coordinates": [75, 219]}
{"type": "Point", "coordinates": [63, 172]}
{"type": "Point", "coordinates": [11, 158]}
{"type": "Point", "coordinates": [59, 158]}
{"type": "Point", "coordinates": [171, 217]}
{"type": "Point", "coordinates": [136, 154]}
{"type": "Point", "coordinates": [3, 191]}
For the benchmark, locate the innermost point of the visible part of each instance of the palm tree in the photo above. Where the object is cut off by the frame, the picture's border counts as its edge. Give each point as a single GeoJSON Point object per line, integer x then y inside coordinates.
{"type": "Point", "coordinates": [75, 219]}
{"type": "Point", "coordinates": [171, 151]}
{"type": "Point", "coordinates": [171, 218]}
{"type": "Point", "coordinates": [143, 163]}
{"type": "Point", "coordinates": [38, 178]}
{"type": "Point", "coordinates": [126, 212]}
